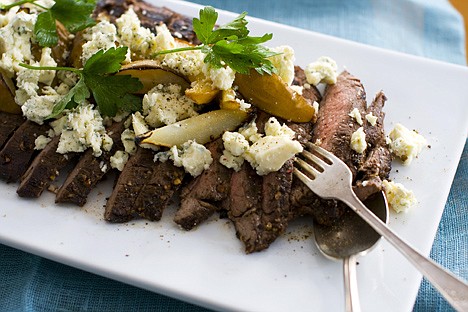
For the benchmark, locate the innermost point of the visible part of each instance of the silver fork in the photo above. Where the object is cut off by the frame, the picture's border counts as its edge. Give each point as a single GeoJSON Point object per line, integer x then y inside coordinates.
{"type": "Point", "coordinates": [331, 178]}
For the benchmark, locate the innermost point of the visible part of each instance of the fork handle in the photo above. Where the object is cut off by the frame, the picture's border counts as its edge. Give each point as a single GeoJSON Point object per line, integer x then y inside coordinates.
{"type": "Point", "coordinates": [454, 290]}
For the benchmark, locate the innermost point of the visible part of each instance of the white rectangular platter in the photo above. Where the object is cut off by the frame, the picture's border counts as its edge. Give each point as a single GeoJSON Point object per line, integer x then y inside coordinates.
{"type": "Point", "coordinates": [208, 266]}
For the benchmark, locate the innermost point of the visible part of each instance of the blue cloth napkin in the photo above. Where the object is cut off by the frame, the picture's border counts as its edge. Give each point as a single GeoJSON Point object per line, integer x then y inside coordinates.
{"type": "Point", "coordinates": [429, 28]}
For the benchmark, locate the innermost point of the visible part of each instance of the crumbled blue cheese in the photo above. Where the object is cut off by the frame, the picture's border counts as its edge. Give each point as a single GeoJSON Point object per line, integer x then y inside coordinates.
{"type": "Point", "coordinates": [405, 144]}
{"type": "Point", "coordinates": [39, 107]}
{"type": "Point", "coordinates": [139, 124]}
{"type": "Point", "coordinates": [164, 105]}
{"type": "Point", "coordinates": [140, 40]}
{"type": "Point", "coordinates": [250, 131]}
{"type": "Point", "coordinates": [128, 141]}
{"type": "Point", "coordinates": [26, 84]}
{"type": "Point", "coordinates": [271, 152]}
{"type": "Point", "coordinates": [230, 161]}
{"type": "Point", "coordinates": [399, 198]}
{"type": "Point", "coordinates": [297, 89]}
{"type": "Point", "coordinates": [274, 128]}
{"type": "Point", "coordinates": [284, 63]}
{"type": "Point", "coordinates": [222, 78]}
{"type": "Point", "coordinates": [267, 153]}
{"type": "Point", "coordinates": [101, 36]}
{"type": "Point", "coordinates": [82, 128]}
{"type": "Point", "coordinates": [41, 142]}
{"type": "Point", "coordinates": [15, 41]}
{"type": "Point", "coordinates": [358, 140]}
{"type": "Point", "coordinates": [322, 70]}
{"type": "Point", "coordinates": [356, 115]}
{"type": "Point", "coordinates": [47, 76]}
{"type": "Point", "coordinates": [371, 119]}
{"type": "Point", "coordinates": [235, 143]}
{"type": "Point", "coordinates": [193, 157]}
{"type": "Point", "coordinates": [118, 160]}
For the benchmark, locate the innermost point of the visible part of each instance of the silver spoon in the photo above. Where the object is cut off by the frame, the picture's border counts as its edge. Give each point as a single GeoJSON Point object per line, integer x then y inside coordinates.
{"type": "Point", "coordinates": [348, 238]}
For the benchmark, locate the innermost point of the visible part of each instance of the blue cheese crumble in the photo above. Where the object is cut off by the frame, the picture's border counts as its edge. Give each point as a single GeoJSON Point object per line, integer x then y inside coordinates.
{"type": "Point", "coordinates": [322, 70]}
{"type": "Point", "coordinates": [405, 144]}
{"type": "Point", "coordinates": [399, 198]}
{"type": "Point", "coordinates": [266, 154]}
{"type": "Point", "coordinates": [166, 104]}
{"type": "Point", "coordinates": [193, 157]}
{"type": "Point", "coordinates": [358, 140]}
{"type": "Point", "coordinates": [81, 129]}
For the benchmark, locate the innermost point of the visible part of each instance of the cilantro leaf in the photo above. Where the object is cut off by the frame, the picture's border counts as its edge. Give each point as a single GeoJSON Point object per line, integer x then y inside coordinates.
{"type": "Point", "coordinates": [46, 30]}
{"type": "Point", "coordinates": [230, 44]}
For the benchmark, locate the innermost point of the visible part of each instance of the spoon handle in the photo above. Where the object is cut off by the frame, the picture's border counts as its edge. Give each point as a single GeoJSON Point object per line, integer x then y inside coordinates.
{"type": "Point", "coordinates": [350, 281]}
{"type": "Point", "coordinates": [454, 290]}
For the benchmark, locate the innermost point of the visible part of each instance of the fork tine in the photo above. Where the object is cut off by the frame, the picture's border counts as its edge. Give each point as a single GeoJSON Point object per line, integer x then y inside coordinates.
{"type": "Point", "coordinates": [305, 179]}
{"type": "Point", "coordinates": [308, 168]}
{"type": "Point", "coordinates": [315, 159]}
{"type": "Point", "coordinates": [322, 152]}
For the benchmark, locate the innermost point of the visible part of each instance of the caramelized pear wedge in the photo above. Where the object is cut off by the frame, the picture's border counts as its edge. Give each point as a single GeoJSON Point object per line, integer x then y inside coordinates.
{"type": "Point", "coordinates": [270, 94]}
{"type": "Point", "coordinates": [151, 74]}
{"type": "Point", "coordinates": [202, 92]}
{"type": "Point", "coordinates": [7, 97]}
{"type": "Point", "coordinates": [202, 128]}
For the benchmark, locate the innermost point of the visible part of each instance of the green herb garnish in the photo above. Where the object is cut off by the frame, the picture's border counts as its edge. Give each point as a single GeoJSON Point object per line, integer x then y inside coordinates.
{"type": "Point", "coordinates": [111, 92]}
{"type": "Point", "coordinates": [229, 44]}
{"type": "Point", "coordinates": [75, 15]}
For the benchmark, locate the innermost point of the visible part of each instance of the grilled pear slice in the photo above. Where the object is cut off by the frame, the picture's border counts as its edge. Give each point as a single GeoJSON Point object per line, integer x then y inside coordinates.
{"type": "Point", "coordinates": [270, 94]}
{"type": "Point", "coordinates": [203, 128]}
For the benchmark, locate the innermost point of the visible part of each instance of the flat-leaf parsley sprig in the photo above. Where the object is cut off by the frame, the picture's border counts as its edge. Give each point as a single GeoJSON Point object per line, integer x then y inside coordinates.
{"type": "Point", "coordinates": [229, 44]}
{"type": "Point", "coordinates": [111, 92]}
{"type": "Point", "coordinates": [75, 15]}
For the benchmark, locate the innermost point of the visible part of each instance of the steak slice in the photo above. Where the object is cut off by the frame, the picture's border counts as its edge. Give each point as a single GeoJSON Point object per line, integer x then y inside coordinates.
{"type": "Point", "coordinates": [333, 131]}
{"type": "Point", "coordinates": [89, 171]}
{"type": "Point", "coordinates": [244, 207]}
{"type": "Point", "coordinates": [202, 196]}
{"type": "Point", "coordinates": [43, 170]}
{"type": "Point", "coordinates": [260, 206]}
{"type": "Point", "coordinates": [18, 152]}
{"type": "Point", "coordinates": [334, 125]}
{"type": "Point", "coordinates": [8, 124]}
{"type": "Point", "coordinates": [158, 190]}
{"type": "Point", "coordinates": [378, 162]}
{"type": "Point", "coordinates": [120, 206]}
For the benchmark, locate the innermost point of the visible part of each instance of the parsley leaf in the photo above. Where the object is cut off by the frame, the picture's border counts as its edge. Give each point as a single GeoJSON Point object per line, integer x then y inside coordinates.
{"type": "Point", "coordinates": [230, 44]}
{"type": "Point", "coordinates": [75, 15]}
{"type": "Point", "coordinates": [46, 30]}
{"type": "Point", "coordinates": [110, 92]}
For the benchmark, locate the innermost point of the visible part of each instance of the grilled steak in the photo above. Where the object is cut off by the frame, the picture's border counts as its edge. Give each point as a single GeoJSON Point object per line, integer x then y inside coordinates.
{"type": "Point", "coordinates": [89, 171]}
{"type": "Point", "coordinates": [156, 193]}
{"type": "Point", "coordinates": [202, 196]}
{"type": "Point", "coordinates": [334, 125]}
{"type": "Point", "coordinates": [120, 206]}
{"type": "Point", "coordinates": [43, 170]}
{"type": "Point", "coordinates": [8, 124]}
{"type": "Point", "coordinates": [244, 207]}
{"type": "Point", "coordinates": [378, 162]}
{"type": "Point", "coordinates": [18, 152]}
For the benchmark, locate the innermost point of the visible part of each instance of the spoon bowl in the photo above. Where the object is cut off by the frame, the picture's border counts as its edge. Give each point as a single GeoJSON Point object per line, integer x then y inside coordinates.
{"type": "Point", "coordinates": [349, 237]}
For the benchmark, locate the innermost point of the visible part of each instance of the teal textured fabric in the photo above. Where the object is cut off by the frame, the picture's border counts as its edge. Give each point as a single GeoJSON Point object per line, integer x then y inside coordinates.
{"type": "Point", "coordinates": [429, 28]}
